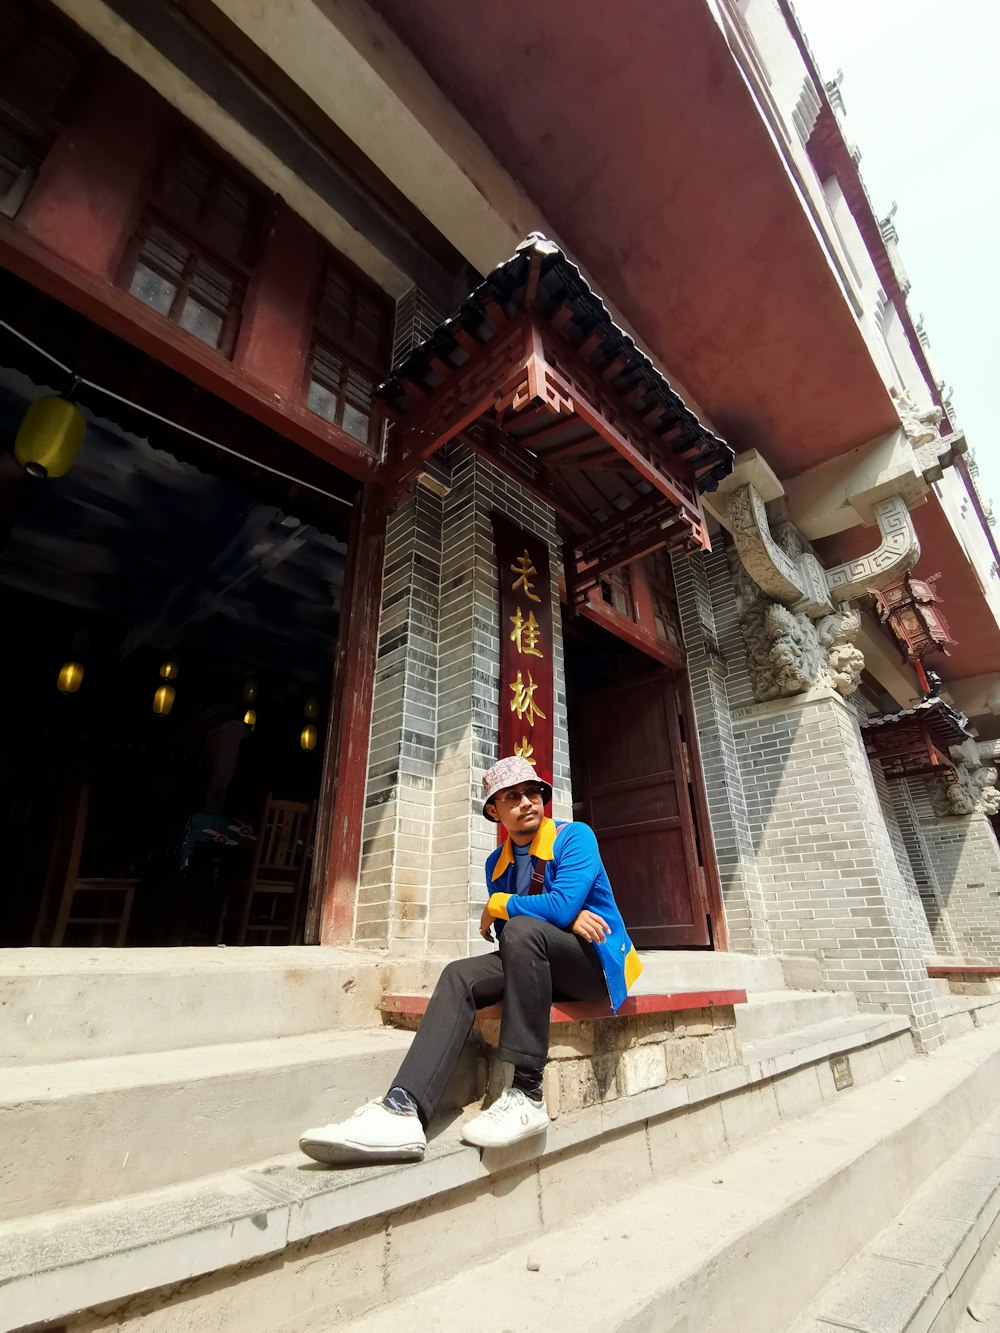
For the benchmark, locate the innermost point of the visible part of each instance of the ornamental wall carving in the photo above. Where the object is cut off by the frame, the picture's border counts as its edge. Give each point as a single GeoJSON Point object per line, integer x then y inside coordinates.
{"type": "Point", "coordinates": [974, 791]}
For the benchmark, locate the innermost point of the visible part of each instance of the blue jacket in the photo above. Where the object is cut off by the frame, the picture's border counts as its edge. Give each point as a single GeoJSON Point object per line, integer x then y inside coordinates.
{"type": "Point", "coordinates": [575, 878]}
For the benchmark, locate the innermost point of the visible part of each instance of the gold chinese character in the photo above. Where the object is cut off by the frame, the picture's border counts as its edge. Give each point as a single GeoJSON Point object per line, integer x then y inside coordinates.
{"type": "Point", "coordinates": [524, 750]}
{"type": "Point", "coordinates": [522, 566]}
{"type": "Point", "coordinates": [523, 702]}
{"type": "Point", "coordinates": [525, 633]}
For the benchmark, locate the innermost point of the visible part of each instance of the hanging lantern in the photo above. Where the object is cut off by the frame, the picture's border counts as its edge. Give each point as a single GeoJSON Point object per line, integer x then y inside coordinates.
{"type": "Point", "coordinates": [70, 678]}
{"type": "Point", "coordinates": [308, 737]}
{"type": "Point", "coordinates": [910, 609]}
{"type": "Point", "coordinates": [169, 669]}
{"type": "Point", "coordinates": [312, 708]}
{"type": "Point", "coordinates": [250, 718]}
{"type": "Point", "coordinates": [250, 690]}
{"type": "Point", "coordinates": [163, 700]}
{"type": "Point", "coordinates": [50, 437]}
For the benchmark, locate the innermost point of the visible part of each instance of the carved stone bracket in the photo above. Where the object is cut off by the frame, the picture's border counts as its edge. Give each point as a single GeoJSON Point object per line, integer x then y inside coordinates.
{"type": "Point", "coordinates": [799, 582]}
{"type": "Point", "coordinates": [899, 551]}
{"type": "Point", "coordinates": [973, 789]}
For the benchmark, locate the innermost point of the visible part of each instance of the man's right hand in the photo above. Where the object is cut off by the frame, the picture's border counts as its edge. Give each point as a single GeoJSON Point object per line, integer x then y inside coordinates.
{"type": "Point", "coordinates": [590, 926]}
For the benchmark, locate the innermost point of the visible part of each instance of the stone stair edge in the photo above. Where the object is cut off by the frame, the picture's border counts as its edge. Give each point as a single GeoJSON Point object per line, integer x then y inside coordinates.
{"type": "Point", "coordinates": [745, 1262]}
{"type": "Point", "coordinates": [319, 1206]}
{"type": "Point", "coordinates": [929, 1256]}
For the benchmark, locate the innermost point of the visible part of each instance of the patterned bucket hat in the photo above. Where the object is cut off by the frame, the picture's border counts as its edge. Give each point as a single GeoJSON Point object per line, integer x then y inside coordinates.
{"type": "Point", "coordinates": [508, 773]}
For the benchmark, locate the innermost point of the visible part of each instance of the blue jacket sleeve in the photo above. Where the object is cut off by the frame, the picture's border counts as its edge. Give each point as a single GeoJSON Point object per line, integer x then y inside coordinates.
{"type": "Point", "coordinates": [577, 863]}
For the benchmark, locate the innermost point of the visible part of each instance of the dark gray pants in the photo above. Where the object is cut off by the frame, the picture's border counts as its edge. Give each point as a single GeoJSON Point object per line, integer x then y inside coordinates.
{"type": "Point", "coordinates": [536, 963]}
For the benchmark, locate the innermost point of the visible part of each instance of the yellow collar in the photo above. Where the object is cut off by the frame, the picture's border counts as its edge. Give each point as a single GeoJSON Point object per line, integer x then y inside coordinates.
{"type": "Point", "coordinates": [542, 846]}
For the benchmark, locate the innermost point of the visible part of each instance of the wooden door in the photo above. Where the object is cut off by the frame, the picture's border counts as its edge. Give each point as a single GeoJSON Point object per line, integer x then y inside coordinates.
{"type": "Point", "coordinates": [639, 798]}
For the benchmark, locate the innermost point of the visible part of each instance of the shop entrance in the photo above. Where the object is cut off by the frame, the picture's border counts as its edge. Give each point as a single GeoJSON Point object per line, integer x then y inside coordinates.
{"type": "Point", "coordinates": [170, 615]}
{"type": "Point", "coordinates": [634, 780]}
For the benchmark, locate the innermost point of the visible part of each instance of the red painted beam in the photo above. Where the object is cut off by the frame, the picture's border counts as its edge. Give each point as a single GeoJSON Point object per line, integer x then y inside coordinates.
{"type": "Point", "coordinates": [345, 768]}
{"type": "Point", "coordinates": [581, 1011]}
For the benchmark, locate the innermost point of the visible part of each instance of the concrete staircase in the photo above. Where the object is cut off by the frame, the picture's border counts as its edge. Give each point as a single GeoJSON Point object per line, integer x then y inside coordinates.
{"type": "Point", "coordinates": [160, 1165]}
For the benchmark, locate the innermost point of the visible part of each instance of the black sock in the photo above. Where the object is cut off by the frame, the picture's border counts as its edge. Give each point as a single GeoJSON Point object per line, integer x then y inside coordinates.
{"type": "Point", "coordinates": [529, 1081]}
{"type": "Point", "coordinates": [399, 1100]}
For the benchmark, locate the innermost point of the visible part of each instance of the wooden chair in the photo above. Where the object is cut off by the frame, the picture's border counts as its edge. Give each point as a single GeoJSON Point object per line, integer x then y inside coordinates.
{"type": "Point", "coordinates": [280, 874]}
{"type": "Point", "coordinates": [97, 903]}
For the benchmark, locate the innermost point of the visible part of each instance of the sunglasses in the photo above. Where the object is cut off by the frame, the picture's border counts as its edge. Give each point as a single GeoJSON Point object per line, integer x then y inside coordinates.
{"type": "Point", "coordinates": [514, 795]}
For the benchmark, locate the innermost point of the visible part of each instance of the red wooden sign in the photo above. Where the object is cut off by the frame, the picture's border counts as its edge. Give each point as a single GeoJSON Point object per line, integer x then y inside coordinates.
{"type": "Point", "coordinates": [526, 695]}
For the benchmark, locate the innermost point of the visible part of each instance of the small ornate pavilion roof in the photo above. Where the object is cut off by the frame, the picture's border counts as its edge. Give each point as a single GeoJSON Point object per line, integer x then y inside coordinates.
{"type": "Point", "coordinates": [534, 373]}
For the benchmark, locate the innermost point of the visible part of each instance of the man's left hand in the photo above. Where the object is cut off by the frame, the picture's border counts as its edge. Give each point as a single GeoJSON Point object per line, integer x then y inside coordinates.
{"type": "Point", "coordinates": [485, 921]}
{"type": "Point", "coordinates": [590, 926]}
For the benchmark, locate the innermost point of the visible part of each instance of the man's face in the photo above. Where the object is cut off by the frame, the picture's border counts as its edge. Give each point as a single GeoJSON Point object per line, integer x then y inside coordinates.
{"type": "Point", "coordinates": [520, 810]}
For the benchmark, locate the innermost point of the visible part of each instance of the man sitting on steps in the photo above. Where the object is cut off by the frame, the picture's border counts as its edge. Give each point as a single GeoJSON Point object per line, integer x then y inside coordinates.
{"type": "Point", "coordinates": [560, 933]}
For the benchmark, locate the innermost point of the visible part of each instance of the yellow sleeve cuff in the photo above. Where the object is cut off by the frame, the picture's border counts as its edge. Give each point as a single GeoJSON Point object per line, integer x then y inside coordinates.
{"type": "Point", "coordinates": [498, 905]}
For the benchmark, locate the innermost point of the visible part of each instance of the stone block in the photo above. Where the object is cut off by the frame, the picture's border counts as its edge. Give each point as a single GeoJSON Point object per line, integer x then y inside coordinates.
{"type": "Point", "coordinates": [653, 1027]}
{"type": "Point", "coordinates": [578, 1086]}
{"type": "Point", "coordinates": [685, 1058]}
{"type": "Point", "coordinates": [724, 1016]}
{"type": "Point", "coordinates": [577, 1181]}
{"type": "Point", "coordinates": [893, 1053]}
{"type": "Point", "coordinates": [866, 1065]}
{"type": "Point", "coordinates": [642, 1068]}
{"type": "Point", "coordinates": [686, 1138]}
{"type": "Point", "coordinates": [749, 1112]}
{"type": "Point", "coordinates": [570, 1041]}
{"type": "Point", "coordinates": [716, 1052]}
{"type": "Point", "coordinates": [798, 1093]}
{"type": "Point", "coordinates": [516, 1203]}
{"type": "Point", "coordinates": [432, 1239]}
{"type": "Point", "coordinates": [550, 1091]}
{"type": "Point", "coordinates": [879, 1293]}
{"type": "Point", "coordinates": [694, 1023]}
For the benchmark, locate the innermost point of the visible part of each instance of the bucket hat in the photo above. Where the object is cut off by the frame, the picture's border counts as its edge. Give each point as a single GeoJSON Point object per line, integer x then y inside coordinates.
{"type": "Point", "coordinates": [508, 773]}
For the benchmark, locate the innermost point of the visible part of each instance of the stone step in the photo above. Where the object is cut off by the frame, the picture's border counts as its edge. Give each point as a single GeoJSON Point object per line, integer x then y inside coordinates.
{"type": "Point", "coordinates": [270, 1247]}
{"type": "Point", "coordinates": [769, 1013]}
{"type": "Point", "coordinates": [962, 1013]}
{"type": "Point", "coordinates": [920, 1272]}
{"type": "Point", "coordinates": [744, 1241]}
{"type": "Point", "coordinates": [700, 969]}
{"type": "Point", "coordinates": [73, 1004]}
{"type": "Point", "coordinates": [82, 1131]}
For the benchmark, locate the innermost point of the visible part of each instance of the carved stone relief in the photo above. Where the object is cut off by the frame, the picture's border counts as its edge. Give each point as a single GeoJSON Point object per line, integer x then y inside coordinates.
{"type": "Point", "coordinates": [787, 651]}
{"type": "Point", "coordinates": [975, 792]}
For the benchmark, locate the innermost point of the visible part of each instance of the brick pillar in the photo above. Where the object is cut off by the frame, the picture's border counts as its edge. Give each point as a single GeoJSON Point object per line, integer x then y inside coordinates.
{"type": "Point", "coordinates": [437, 692]}
{"type": "Point", "coordinates": [963, 862]}
{"type": "Point", "coordinates": [716, 669]}
{"type": "Point", "coordinates": [914, 814]}
{"type": "Point", "coordinates": [827, 858]}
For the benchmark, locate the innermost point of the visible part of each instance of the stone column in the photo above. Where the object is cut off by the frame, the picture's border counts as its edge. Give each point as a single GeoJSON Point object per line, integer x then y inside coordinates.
{"type": "Point", "coordinates": [826, 858]}
{"type": "Point", "coordinates": [719, 682]}
{"type": "Point", "coordinates": [437, 692]}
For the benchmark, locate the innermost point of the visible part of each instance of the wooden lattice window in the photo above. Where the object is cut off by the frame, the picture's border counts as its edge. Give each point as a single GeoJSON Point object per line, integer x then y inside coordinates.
{"type": "Point", "coordinates": [616, 591]}
{"type": "Point", "coordinates": [664, 599]}
{"type": "Point", "coordinates": [192, 254]}
{"type": "Point", "coordinates": [350, 353]}
{"type": "Point", "coordinates": [42, 75]}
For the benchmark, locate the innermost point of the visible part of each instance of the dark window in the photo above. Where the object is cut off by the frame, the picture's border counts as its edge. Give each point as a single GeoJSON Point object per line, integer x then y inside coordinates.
{"type": "Point", "coordinates": [664, 599]}
{"type": "Point", "coordinates": [42, 68]}
{"type": "Point", "coordinates": [616, 590]}
{"type": "Point", "coordinates": [349, 353]}
{"type": "Point", "coordinates": [195, 246]}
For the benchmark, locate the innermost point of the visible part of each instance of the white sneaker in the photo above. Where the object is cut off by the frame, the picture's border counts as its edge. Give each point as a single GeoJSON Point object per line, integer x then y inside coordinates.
{"type": "Point", "coordinates": [511, 1118]}
{"type": "Point", "coordinates": [372, 1134]}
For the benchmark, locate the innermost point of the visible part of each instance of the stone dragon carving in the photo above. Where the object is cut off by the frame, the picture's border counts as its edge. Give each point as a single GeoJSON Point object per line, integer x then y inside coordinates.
{"type": "Point", "coordinates": [975, 791]}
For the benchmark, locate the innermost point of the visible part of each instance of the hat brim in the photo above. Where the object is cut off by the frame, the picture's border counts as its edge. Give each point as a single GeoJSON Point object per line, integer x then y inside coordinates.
{"type": "Point", "coordinates": [546, 797]}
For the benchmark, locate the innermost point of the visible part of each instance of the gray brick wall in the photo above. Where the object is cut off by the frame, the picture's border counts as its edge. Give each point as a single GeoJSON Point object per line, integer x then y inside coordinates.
{"type": "Point", "coordinates": [437, 692]}
{"type": "Point", "coordinates": [719, 682]}
{"type": "Point", "coordinates": [963, 861]}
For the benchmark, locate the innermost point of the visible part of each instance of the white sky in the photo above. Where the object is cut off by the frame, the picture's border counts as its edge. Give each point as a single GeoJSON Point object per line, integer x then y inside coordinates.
{"type": "Point", "coordinates": [922, 93]}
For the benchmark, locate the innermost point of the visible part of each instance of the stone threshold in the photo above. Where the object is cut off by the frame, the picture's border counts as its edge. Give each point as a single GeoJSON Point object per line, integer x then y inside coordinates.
{"type": "Point", "coordinates": [62, 1262]}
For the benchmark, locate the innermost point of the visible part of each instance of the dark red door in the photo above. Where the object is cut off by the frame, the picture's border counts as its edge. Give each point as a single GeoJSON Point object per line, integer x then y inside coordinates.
{"type": "Point", "coordinates": [639, 801]}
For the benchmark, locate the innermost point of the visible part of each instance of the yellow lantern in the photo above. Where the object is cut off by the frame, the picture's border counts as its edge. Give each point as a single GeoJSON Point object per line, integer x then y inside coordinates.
{"type": "Point", "coordinates": [50, 437]}
{"type": "Point", "coordinates": [169, 669]}
{"type": "Point", "coordinates": [308, 737]}
{"type": "Point", "coordinates": [312, 708]}
{"type": "Point", "coordinates": [163, 700]}
{"type": "Point", "coordinates": [250, 690]}
{"type": "Point", "coordinates": [250, 718]}
{"type": "Point", "coordinates": [70, 678]}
